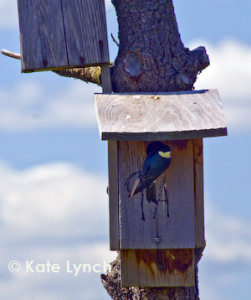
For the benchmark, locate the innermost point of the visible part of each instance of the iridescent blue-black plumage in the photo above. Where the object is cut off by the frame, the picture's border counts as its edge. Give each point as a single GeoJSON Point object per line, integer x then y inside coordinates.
{"type": "Point", "coordinates": [157, 161]}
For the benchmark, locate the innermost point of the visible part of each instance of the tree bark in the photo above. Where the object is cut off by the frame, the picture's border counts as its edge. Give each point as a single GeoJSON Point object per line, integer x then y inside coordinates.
{"type": "Point", "coordinates": [152, 58]}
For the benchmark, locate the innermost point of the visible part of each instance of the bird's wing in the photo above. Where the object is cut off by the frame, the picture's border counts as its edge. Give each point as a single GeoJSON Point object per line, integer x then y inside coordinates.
{"type": "Point", "coordinates": [134, 187]}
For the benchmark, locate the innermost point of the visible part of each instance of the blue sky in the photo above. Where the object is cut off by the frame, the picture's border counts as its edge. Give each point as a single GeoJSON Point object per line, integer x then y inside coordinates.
{"type": "Point", "coordinates": [53, 166]}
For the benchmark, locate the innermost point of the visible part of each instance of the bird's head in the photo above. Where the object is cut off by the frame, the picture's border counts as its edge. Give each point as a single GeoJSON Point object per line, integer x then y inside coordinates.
{"type": "Point", "coordinates": [158, 147]}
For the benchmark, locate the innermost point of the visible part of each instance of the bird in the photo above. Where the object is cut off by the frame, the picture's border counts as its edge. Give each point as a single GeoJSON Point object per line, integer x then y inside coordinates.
{"type": "Point", "coordinates": [158, 159]}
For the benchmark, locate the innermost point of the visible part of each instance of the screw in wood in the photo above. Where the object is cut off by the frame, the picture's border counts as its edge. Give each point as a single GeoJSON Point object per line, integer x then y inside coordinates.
{"type": "Point", "coordinates": [100, 42]}
{"type": "Point", "coordinates": [157, 240]}
{"type": "Point", "coordinates": [45, 63]}
{"type": "Point", "coordinates": [82, 60]}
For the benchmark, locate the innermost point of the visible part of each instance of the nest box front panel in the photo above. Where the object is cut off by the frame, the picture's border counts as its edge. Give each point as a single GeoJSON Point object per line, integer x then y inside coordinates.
{"type": "Point", "coordinates": [168, 223]}
{"type": "Point", "coordinates": [61, 34]}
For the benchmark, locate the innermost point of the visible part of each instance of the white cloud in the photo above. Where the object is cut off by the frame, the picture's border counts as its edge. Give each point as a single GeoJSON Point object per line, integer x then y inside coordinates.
{"type": "Point", "coordinates": [8, 14]}
{"type": "Point", "coordinates": [227, 256]}
{"type": "Point", "coordinates": [229, 69]}
{"type": "Point", "coordinates": [228, 238]}
{"type": "Point", "coordinates": [29, 106]}
{"type": "Point", "coordinates": [50, 285]}
{"type": "Point", "coordinates": [230, 73]}
{"type": "Point", "coordinates": [58, 199]}
{"type": "Point", "coordinates": [54, 213]}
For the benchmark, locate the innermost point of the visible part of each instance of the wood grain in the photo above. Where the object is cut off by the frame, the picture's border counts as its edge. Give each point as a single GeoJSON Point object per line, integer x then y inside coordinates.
{"type": "Point", "coordinates": [60, 33]}
{"type": "Point", "coordinates": [198, 193]}
{"type": "Point", "coordinates": [113, 195]}
{"type": "Point", "coordinates": [106, 78]}
{"type": "Point", "coordinates": [85, 31]}
{"type": "Point", "coordinates": [162, 116]}
{"type": "Point", "coordinates": [157, 268]}
{"type": "Point", "coordinates": [39, 23]}
{"type": "Point", "coordinates": [175, 231]}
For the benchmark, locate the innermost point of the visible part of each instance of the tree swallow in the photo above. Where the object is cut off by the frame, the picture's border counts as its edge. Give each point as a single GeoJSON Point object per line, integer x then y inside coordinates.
{"type": "Point", "coordinates": [157, 161]}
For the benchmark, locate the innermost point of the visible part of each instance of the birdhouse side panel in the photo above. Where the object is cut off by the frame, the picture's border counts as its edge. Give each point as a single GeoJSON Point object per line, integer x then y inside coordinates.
{"type": "Point", "coordinates": [113, 195]}
{"type": "Point", "coordinates": [42, 36]}
{"type": "Point", "coordinates": [199, 194]}
{"type": "Point", "coordinates": [85, 32]}
{"type": "Point", "coordinates": [169, 223]}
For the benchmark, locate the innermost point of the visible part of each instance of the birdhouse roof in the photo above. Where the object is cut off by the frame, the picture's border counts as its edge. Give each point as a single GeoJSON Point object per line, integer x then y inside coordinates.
{"type": "Point", "coordinates": [160, 116]}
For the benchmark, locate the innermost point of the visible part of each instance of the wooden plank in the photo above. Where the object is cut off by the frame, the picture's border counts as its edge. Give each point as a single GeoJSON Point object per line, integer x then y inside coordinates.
{"type": "Point", "coordinates": [175, 231]}
{"type": "Point", "coordinates": [113, 195]}
{"type": "Point", "coordinates": [85, 31]}
{"type": "Point", "coordinates": [62, 34]}
{"type": "Point", "coordinates": [162, 116]}
{"type": "Point", "coordinates": [157, 268]}
{"type": "Point", "coordinates": [40, 22]}
{"type": "Point", "coordinates": [163, 136]}
{"type": "Point", "coordinates": [198, 193]}
{"type": "Point", "coordinates": [106, 78]}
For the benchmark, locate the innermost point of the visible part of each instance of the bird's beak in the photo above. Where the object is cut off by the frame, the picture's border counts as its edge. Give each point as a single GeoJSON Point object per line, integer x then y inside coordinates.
{"type": "Point", "coordinates": [165, 154]}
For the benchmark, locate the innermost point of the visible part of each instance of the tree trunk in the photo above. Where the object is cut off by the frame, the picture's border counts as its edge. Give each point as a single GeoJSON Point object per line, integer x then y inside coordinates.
{"type": "Point", "coordinates": [152, 58]}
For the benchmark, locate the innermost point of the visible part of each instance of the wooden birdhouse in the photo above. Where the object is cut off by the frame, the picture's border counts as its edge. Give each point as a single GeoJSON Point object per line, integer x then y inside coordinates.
{"type": "Point", "coordinates": [62, 34]}
{"type": "Point", "coordinates": [157, 240]}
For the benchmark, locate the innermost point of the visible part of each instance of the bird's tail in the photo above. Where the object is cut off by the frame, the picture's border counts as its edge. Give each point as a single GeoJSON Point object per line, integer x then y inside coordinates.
{"type": "Point", "coordinates": [151, 193]}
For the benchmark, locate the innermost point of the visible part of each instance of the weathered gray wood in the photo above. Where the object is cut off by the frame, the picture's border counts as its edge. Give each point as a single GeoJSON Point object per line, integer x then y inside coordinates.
{"type": "Point", "coordinates": [162, 116]}
{"type": "Point", "coordinates": [113, 195]}
{"type": "Point", "coordinates": [62, 34]}
{"type": "Point", "coordinates": [157, 268]}
{"type": "Point", "coordinates": [173, 232]}
{"type": "Point", "coordinates": [85, 31]}
{"type": "Point", "coordinates": [42, 36]}
{"type": "Point", "coordinates": [106, 78]}
{"type": "Point", "coordinates": [198, 193]}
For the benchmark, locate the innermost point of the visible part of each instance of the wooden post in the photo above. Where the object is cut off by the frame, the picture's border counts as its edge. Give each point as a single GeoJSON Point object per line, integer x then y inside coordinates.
{"type": "Point", "coordinates": [106, 78]}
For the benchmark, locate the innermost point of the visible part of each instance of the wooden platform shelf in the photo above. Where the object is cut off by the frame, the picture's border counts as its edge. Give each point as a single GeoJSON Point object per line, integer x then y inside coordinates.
{"type": "Point", "coordinates": [62, 34]}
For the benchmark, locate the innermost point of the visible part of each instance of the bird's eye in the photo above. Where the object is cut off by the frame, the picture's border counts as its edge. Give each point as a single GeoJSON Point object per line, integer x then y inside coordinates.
{"type": "Point", "coordinates": [165, 154]}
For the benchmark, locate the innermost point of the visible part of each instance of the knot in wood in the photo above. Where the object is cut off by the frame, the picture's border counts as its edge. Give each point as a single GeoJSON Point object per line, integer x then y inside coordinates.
{"type": "Point", "coordinates": [183, 81]}
{"type": "Point", "coordinates": [132, 64]}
